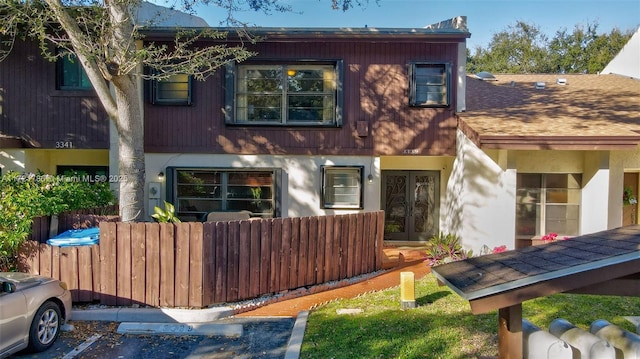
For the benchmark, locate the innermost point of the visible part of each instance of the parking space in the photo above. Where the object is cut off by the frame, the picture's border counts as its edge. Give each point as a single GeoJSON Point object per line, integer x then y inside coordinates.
{"type": "Point", "coordinates": [260, 338]}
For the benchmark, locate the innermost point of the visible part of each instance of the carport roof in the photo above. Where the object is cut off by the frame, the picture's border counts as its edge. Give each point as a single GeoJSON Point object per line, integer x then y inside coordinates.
{"type": "Point", "coordinates": [587, 112]}
{"type": "Point", "coordinates": [606, 262]}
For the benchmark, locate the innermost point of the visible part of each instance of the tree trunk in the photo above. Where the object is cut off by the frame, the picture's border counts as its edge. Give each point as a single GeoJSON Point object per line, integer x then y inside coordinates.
{"type": "Point", "coordinates": [131, 165]}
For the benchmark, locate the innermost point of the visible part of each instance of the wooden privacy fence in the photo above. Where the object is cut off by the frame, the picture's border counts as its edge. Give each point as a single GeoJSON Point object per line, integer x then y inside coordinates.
{"type": "Point", "coordinates": [195, 264]}
{"type": "Point", "coordinates": [41, 227]}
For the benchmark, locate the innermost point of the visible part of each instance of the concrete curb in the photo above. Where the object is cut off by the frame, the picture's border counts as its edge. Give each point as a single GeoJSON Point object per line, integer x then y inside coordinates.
{"type": "Point", "coordinates": [154, 315]}
{"type": "Point", "coordinates": [227, 330]}
{"type": "Point", "coordinates": [295, 342]}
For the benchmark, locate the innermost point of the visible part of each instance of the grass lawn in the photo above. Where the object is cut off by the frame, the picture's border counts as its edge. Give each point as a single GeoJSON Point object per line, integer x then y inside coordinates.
{"type": "Point", "coordinates": [442, 326]}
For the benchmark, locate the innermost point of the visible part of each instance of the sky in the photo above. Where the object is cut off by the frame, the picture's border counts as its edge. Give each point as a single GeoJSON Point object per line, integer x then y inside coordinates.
{"type": "Point", "coordinates": [484, 17]}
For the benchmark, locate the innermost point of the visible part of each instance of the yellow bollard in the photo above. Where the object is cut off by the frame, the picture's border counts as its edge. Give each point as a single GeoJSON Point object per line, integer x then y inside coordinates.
{"type": "Point", "coordinates": [407, 290]}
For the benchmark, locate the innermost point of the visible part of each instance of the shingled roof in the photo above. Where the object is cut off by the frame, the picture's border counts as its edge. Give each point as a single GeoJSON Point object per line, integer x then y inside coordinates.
{"type": "Point", "coordinates": [587, 112]}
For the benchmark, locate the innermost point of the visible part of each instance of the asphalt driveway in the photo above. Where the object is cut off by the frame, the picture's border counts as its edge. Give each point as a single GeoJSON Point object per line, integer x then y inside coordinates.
{"type": "Point", "coordinates": [260, 337]}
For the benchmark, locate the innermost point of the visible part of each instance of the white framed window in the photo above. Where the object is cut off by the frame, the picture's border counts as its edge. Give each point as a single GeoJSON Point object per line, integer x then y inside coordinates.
{"type": "Point", "coordinates": [342, 187]}
{"type": "Point", "coordinates": [297, 94]}
{"type": "Point", "coordinates": [174, 90]}
{"type": "Point", "coordinates": [429, 84]}
{"type": "Point", "coordinates": [547, 203]}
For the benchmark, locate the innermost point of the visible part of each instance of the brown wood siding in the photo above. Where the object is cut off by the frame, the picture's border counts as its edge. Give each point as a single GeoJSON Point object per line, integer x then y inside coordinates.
{"type": "Point", "coordinates": [375, 90]}
{"type": "Point", "coordinates": [34, 110]}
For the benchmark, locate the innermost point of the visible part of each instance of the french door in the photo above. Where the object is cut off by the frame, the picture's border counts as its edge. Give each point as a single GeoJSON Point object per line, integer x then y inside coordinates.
{"type": "Point", "coordinates": [411, 201]}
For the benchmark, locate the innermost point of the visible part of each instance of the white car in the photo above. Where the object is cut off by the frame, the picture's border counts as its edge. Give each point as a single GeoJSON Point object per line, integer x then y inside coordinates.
{"type": "Point", "coordinates": [32, 310]}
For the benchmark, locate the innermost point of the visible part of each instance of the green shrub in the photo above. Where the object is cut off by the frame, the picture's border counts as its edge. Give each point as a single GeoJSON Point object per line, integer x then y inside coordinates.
{"type": "Point", "coordinates": [445, 248]}
{"type": "Point", "coordinates": [166, 215]}
{"type": "Point", "coordinates": [25, 196]}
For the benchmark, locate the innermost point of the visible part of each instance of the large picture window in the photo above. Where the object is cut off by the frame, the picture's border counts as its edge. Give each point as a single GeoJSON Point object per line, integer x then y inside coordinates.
{"type": "Point", "coordinates": [284, 94]}
{"type": "Point", "coordinates": [342, 187]}
{"type": "Point", "coordinates": [548, 203]}
{"type": "Point", "coordinates": [429, 84]}
{"type": "Point", "coordinates": [197, 192]}
{"type": "Point", "coordinates": [71, 74]}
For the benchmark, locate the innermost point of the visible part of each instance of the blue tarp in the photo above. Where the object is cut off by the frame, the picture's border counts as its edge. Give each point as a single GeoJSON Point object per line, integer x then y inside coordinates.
{"type": "Point", "coordinates": [76, 237]}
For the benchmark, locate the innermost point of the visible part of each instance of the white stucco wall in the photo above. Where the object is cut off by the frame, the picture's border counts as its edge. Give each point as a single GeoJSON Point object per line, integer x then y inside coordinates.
{"type": "Point", "coordinates": [596, 178]}
{"type": "Point", "coordinates": [301, 176]}
{"type": "Point", "coordinates": [480, 200]}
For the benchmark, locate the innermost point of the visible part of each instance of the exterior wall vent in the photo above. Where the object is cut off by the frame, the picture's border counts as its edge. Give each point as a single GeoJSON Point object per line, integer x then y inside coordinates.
{"type": "Point", "coordinates": [540, 85]}
{"type": "Point", "coordinates": [561, 81]}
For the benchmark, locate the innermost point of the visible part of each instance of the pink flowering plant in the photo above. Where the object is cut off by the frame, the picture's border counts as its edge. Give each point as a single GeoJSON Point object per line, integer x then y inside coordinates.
{"type": "Point", "coordinates": [500, 249]}
{"type": "Point", "coordinates": [551, 237]}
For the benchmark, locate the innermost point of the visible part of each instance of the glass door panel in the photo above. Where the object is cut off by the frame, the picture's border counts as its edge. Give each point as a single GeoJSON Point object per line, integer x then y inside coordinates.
{"type": "Point", "coordinates": [411, 204]}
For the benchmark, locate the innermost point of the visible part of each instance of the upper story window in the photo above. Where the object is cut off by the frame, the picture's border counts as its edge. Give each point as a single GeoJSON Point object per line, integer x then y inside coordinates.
{"type": "Point", "coordinates": [548, 203]}
{"type": "Point", "coordinates": [429, 84]}
{"type": "Point", "coordinates": [71, 74]}
{"type": "Point", "coordinates": [342, 187]}
{"type": "Point", "coordinates": [174, 90]}
{"type": "Point", "coordinates": [297, 94]}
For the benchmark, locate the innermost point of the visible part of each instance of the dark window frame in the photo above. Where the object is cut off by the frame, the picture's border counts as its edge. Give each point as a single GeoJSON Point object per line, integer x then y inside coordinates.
{"type": "Point", "coordinates": [325, 185]}
{"type": "Point", "coordinates": [157, 89]}
{"type": "Point", "coordinates": [231, 94]}
{"type": "Point", "coordinates": [414, 86]}
{"type": "Point", "coordinates": [276, 195]}
{"type": "Point", "coordinates": [80, 75]}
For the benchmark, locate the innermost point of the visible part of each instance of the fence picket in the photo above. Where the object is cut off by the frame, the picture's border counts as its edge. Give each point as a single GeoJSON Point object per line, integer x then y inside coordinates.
{"type": "Point", "coordinates": [182, 242]}
{"type": "Point", "coordinates": [152, 280]}
{"type": "Point", "coordinates": [123, 264]}
{"type": "Point", "coordinates": [244, 259]}
{"type": "Point", "coordinates": [254, 263]}
{"type": "Point", "coordinates": [209, 263]}
{"type": "Point", "coordinates": [85, 273]}
{"type": "Point", "coordinates": [265, 255]}
{"type": "Point", "coordinates": [303, 260]}
{"type": "Point", "coordinates": [139, 261]}
{"type": "Point", "coordinates": [196, 265]}
{"type": "Point", "coordinates": [285, 254]}
{"type": "Point", "coordinates": [107, 263]}
{"type": "Point", "coordinates": [221, 261]}
{"type": "Point", "coordinates": [291, 230]}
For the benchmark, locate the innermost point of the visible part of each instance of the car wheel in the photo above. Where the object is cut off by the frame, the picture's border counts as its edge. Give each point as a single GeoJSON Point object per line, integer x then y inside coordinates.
{"type": "Point", "coordinates": [45, 327]}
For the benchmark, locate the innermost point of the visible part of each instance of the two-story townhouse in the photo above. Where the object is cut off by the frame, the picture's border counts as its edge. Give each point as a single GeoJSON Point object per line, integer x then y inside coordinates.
{"type": "Point", "coordinates": [320, 121]}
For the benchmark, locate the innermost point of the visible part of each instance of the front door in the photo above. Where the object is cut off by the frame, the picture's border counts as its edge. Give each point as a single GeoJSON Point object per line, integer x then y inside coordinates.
{"type": "Point", "coordinates": [411, 201]}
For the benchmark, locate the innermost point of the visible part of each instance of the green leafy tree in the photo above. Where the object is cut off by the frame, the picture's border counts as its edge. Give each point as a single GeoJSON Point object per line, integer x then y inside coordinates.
{"type": "Point", "coordinates": [583, 50]}
{"type": "Point", "coordinates": [604, 48]}
{"type": "Point", "coordinates": [103, 35]}
{"type": "Point", "coordinates": [568, 51]}
{"type": "Point", "coordinates": [521, 48]}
